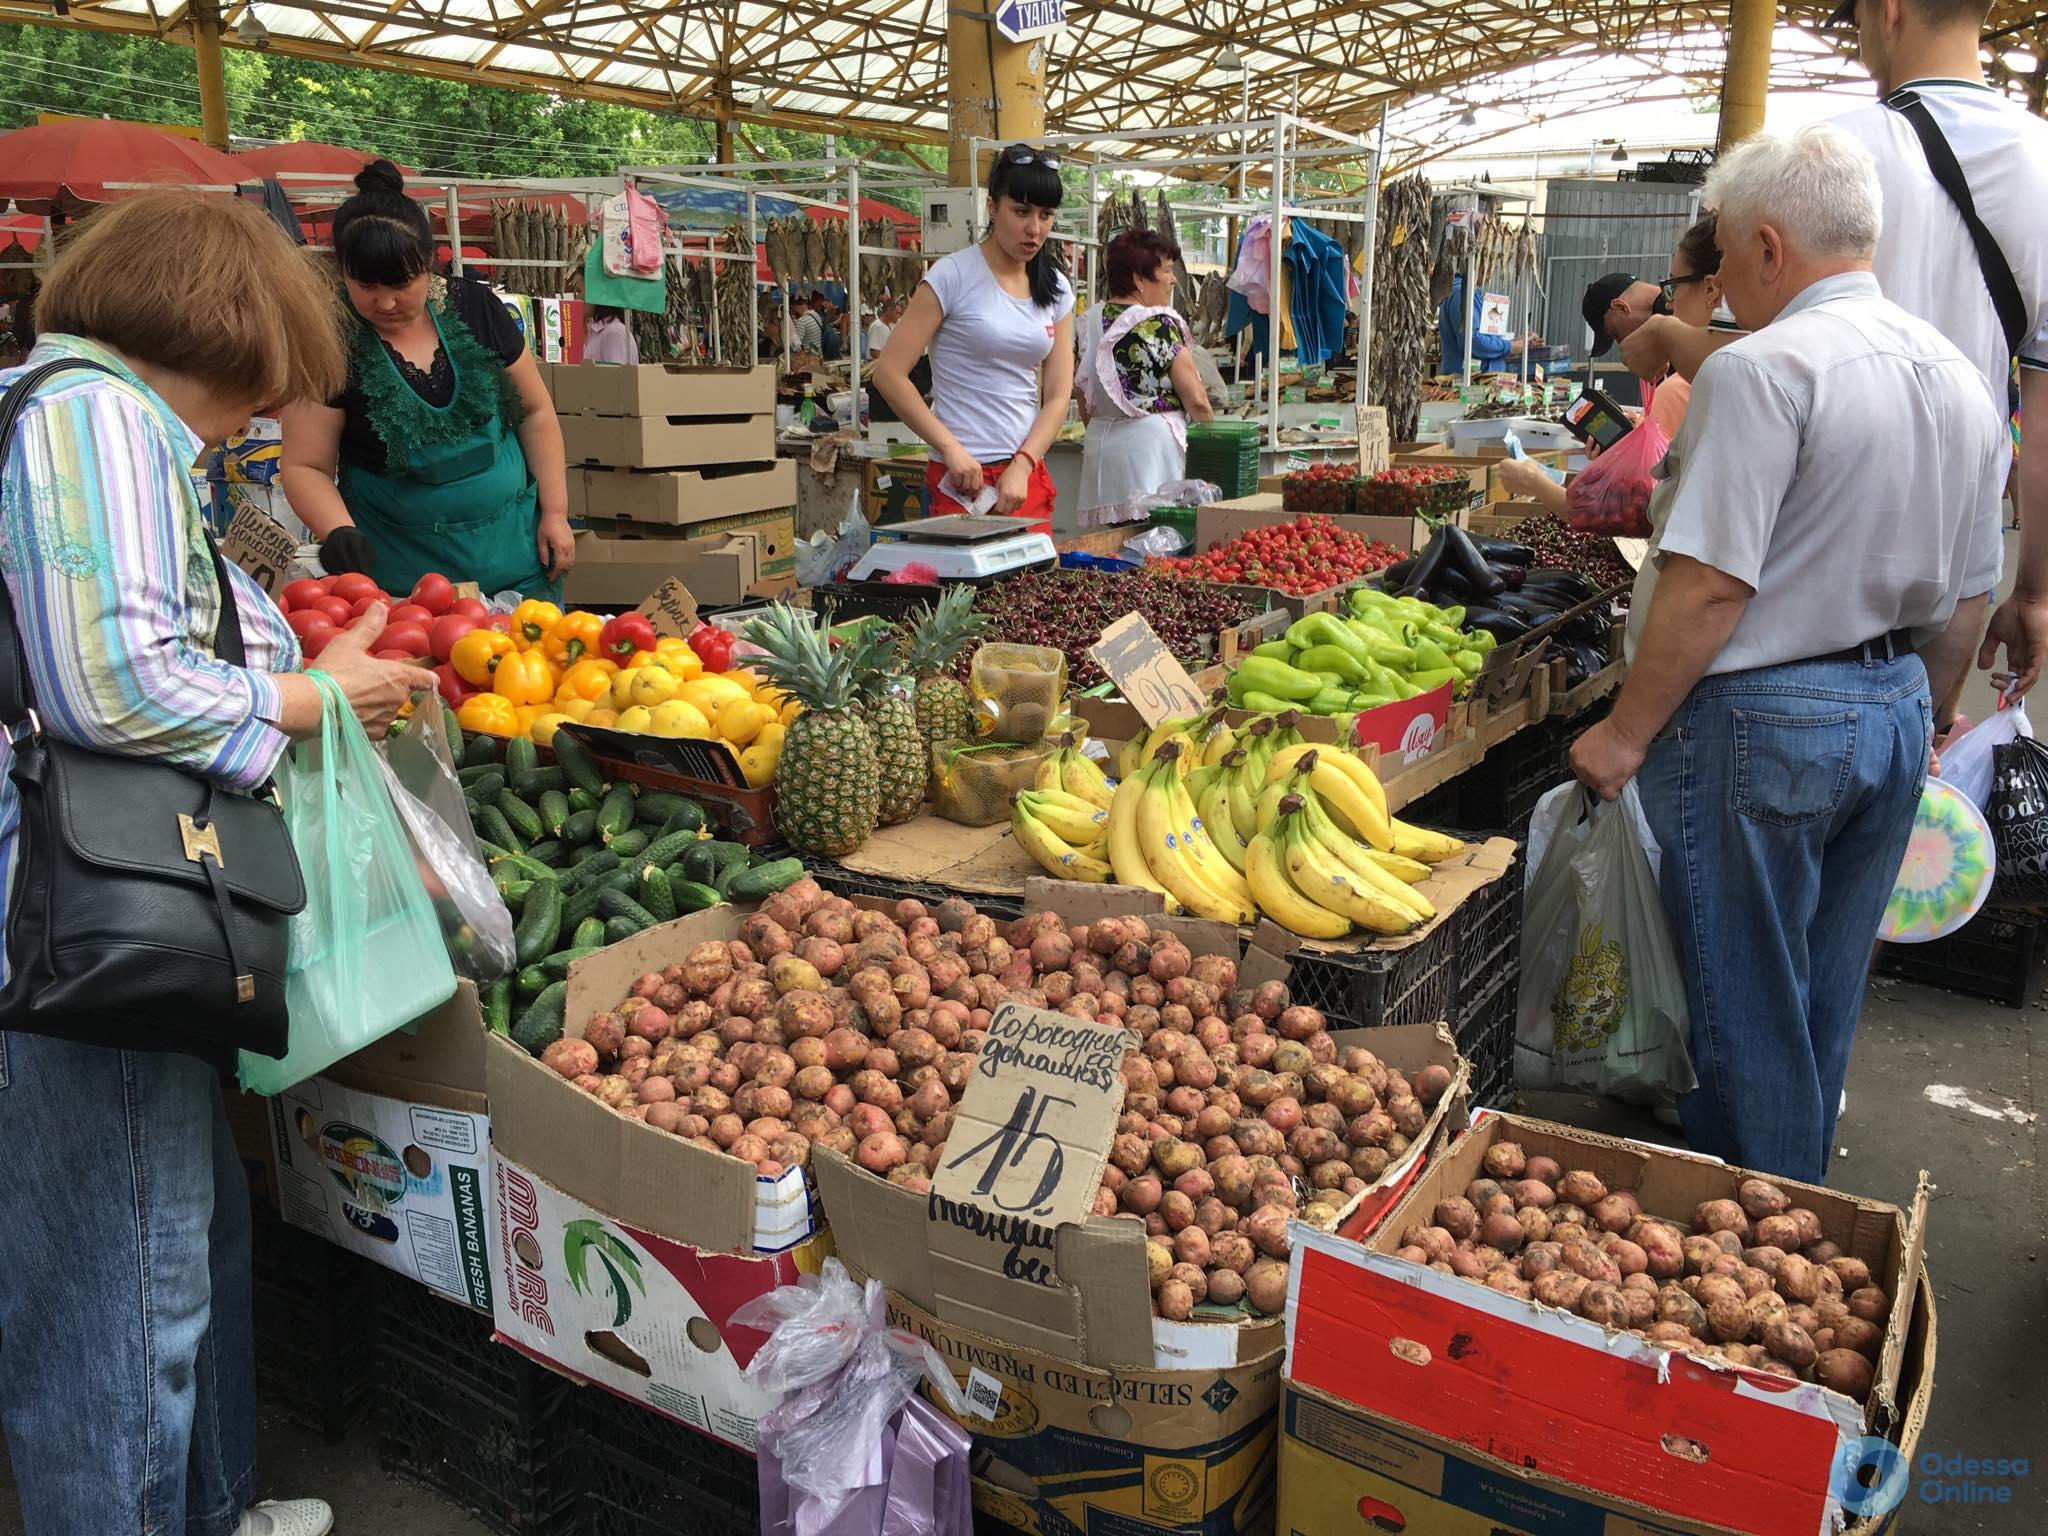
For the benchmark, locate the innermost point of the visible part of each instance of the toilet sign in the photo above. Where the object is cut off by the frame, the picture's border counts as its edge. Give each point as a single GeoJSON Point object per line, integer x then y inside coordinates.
{"type": "Point", "coordinates": [1021, 20]}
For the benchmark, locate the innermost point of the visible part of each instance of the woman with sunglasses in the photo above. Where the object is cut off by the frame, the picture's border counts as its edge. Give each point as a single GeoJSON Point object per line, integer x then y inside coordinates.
{"type": "Point", "coordinates": [1691, 294]}
{"type": "Point", "coordinates": [998, 319]}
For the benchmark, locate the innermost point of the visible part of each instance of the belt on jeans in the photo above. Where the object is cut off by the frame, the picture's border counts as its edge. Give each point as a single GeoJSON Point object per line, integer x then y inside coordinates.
{"type": "Point", "coordinates": [1891, 647]}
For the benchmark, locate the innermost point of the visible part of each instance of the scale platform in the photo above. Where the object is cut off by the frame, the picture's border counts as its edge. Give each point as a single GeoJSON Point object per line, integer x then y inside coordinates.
{"type": "Point", "coordinates": [959, 548]}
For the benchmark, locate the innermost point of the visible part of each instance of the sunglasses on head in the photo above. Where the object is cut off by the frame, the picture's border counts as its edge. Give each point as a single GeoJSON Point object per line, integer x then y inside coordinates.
{"type": "Point", "coordinates": [1026, 154]}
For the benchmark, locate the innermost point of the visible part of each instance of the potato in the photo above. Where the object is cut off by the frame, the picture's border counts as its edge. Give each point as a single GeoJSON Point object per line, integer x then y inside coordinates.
{"type": "Point", "coordinates": [1267, 1227]}
{"type": "Point", "coordinates": [1226, 1287]}
{"type": "Point", "coordinates": [1713, 1288]}
{"type": "Point", "coordinates": [1766, 1259]}
{"type": "Point", "coordinates": [1844, 1371]}
{"type": "Point", "coordinates": [1176, 1210]}
{"type": "Point", "coordinates": [1760, 1198]}
{"type": "Point", "coordinates": [1467, 1263]}
{"type": "Point", "coordinates": [1809, 1224]}
{"type": "Point", "coordinates": [1674, 1335]}
{"type": "Point", "coordinates": [1266, 1287]}
{"type": "Point", "coordinates": [1581, 1188]}
{"type": "Point", "coordinates": [1662, 1255]}
{"type": "Point", "coordinates": [1542, 1169]}
{"type": "Point", "coordinates": [1798, 1279]}
{"type": "Point", "coordinates": [1232, 1250]}
{"type": "Point", "coordinates": [1528, 1193]}
{"type": "Point", "coordinates": [1870, 1304]}
{"type": "Point", "coordinates": [1780, 1232]}
{"type": "Point", "coordinates": [1176, 1301]}
{"type": "Point", "coordinates": [1559, 1288]}
{"type": "Point", "coordinates": [1504, 1160]}
{"type": "Point", "coordinates": [570, 1058]}
{"type": "Point", "coordinates": [1584, 1259]}
{"type": "Point", "coordinates": [1866, 1338]}
{"type": "Point", "coordinates": [1604, 1304]}
{"type": "Point", "coordinates": [1534, 1222]}
{"type": "Point", "coordinates": [1674, 1306]}
{"type": "Point", "coordinates": [1853, 1273]}
{"type": "Point", "coordinates": [1822, 1252]}
{"type": "Point", "coordinates": [1720, 1216]}
{"type": "Point", "coordinates": [1728, 1320]}
{"type": "Point", "coordinates": [1502, 1231]}
{"type": "Point", "coordinates": [1458, 1217]}
{"type": "Point", "coordinates": [1766, 1308]}
{"type": "Point", "coordinates": [1627, 1257]}
{"type": "Point", "coordinates": [1191, 1246]}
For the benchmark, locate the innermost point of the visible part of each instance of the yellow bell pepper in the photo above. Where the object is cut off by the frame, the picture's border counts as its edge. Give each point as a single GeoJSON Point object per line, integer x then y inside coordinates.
{"type": "Point", "coordinates": [526, 714]}
{"type": "Point", "coordinates": [651, 685]}
{"type": "Point", "coordinates": [571, 637]}
{"type": "Point", "coordinates": [532, 619]}
{"type": "Point", "coordinates": [489, 713]}
{"type": "Point", "coordinates": [524, 678]}
{"type": "Point", "coordinates": [585, 679]}
{"type": "Point", "coordinates": [478, 653]}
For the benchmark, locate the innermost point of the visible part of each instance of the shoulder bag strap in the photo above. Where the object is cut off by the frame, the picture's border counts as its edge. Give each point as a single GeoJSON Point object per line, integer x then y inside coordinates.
{"type": "Point", "coordinates": [17, 690]}
{"type": "Point", "coordinates": [1941, 160]}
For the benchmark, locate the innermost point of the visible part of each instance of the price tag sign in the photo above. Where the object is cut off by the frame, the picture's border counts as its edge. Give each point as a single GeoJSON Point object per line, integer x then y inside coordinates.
{"type": "Point", "coordinates": [1493, 314]}
{"type": "Point", "coordinates": [671, 610]}
{"type": "Point", "coordinates": [1634, 551]}
{"type": "Point", "coordinates": [1029, 1141]}
{"type": "Point", "coordinates": [259, 545]}
{"type": "Point", "coordinates": [1139, 663]}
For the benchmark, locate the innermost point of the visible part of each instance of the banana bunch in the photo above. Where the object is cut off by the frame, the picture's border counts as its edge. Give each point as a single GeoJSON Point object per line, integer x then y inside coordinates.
{"type": "Point", "coordinates": [1069, 836]}
{"type": "Point", "coordinates": [1195, 734]}
{"type": "Point", "coordinates": [1157, 840]}
{"type": "Point", "coordinates": [1073, 772]}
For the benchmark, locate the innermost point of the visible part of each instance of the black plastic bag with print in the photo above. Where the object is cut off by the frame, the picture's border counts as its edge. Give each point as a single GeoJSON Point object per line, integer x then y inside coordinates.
{"type": "Point", "coordinates": [2018, 813]}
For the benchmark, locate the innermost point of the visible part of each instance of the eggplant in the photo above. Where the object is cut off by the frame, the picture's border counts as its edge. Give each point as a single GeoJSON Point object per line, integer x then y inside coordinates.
{"type": "Point", "coordinates": [1424, 567]}
{"type": "Point", "coordinates": [1531, 610]}
{"type": "Point", "coordinates": [1513, 575]}
{"type": "Point", "coordinates": [1499, 623]}
{"type": "Point", "coordinates": [1462, 557]}
{"type": "Point", "coordinates": [1502, 551]}
{"type": "Point", "coordinates": [1397, 574]}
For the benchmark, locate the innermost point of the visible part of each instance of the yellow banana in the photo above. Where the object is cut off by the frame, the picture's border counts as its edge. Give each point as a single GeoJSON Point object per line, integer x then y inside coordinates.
{"type": "Point", "coordinates": [1278, 899]}
{"type": "Point", "coordinates": [1421, 844]}
{"type": "Point", "coordinates": [1257, 739]}
{"type": "Point", "coordinates": [1052, 852]}
{"type": "Point", "coordinates": [1243, 796]}
{"type": "Point", "coordinates": [1048, 775]}
{"type": "Point", "coordinates": [1221, 826]}
{"type": "Point", "coordinates": [1268, 811]}
{"type": "Point", "coordinates": [1082, 777]}
{"type": "Point", "coordinates": [1349, 806]}
{"type": "Point", "coordinates": [1131, 759]}
{"type": "Point", "coordinates": [1409, 871]}
{"type": "Point", "coordinates": [1220, 745]}
{"type": "Point", "coordinates": [1338, 757]}
{"type": "Point", "coordinates": [1325, 880]}
{"type": "Point", "coordinates": [1216, 871]}
{"type": "Point", "coordinates": [1361, 860]}
{"type": "Point", "coordinates": [1071, 820]}
{"type": "Point", "coordinates": [1167, 854]}
{"type": "Point", "coordinates": [1126, 858]}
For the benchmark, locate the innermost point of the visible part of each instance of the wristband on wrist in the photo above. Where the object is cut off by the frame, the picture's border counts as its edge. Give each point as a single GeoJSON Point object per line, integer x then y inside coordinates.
{"type": "Point", "coordinates": [1025, 454]}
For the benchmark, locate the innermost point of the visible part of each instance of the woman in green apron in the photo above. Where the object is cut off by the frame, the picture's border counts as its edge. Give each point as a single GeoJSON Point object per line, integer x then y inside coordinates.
{"type": "Point", "coordinates": [443, 453]}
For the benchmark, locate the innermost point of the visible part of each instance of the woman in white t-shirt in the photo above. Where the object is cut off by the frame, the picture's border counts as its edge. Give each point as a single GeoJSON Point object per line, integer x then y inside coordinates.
{"type": "Point", "coordinates": [998, 319]}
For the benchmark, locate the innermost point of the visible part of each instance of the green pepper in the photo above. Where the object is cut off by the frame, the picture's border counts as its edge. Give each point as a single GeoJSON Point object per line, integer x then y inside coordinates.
{"type": "Point", "coordinates": [1335, 659]}
{"type": "Point", "coordinates": [1386, 644]}
{"type": "Point", "coordinates": [1468, 662]}
{"type": "Point", "coordinates": [1330, 701]}
{"type": "Point", "coordinates": [1263, 674]}
{"type": "Point", "coordinates": [1435, 677]}
{"type": "Point", "coordinates": [1267, 704]}
{"type": "Point", "coordinates": [1277, 650]}
{"type": "Point", "coordinates": [1321, 629]}
{"type": "Point", "coordinates": [1429, 656]}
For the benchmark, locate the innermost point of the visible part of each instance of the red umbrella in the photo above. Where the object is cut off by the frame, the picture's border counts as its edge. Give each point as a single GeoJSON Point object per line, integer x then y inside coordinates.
{"type": "Point", "coordinates": [22, 229]}
{"type": "Point", "coordinates": [68, 164]}
{"type": "Point", "coordinates": [870, 208]}
{"type": "Point", "coordinates": [307, 157]}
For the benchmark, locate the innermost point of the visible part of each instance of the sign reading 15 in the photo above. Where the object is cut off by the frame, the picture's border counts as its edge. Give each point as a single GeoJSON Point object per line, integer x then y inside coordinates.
{"type": "Point", "coordinates": [1018, 1143]}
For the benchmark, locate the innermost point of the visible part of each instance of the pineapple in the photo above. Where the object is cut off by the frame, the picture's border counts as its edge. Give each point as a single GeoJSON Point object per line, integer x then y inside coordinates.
{"type": "Point", "coordinates": [937, 636]}
{"type": "Point", "coordinates": [899, 747]}
{"type": "Point", "coordinates": [826, 777]}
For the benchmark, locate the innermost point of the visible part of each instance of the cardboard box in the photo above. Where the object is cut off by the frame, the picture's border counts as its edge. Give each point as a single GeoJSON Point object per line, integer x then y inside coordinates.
{"type": "Point", "coordinates": [404, 1184]}
{"type": "Point", "coordinates": [1061, 1448]}
{"type": "Point", "coordinates": [436, 1059]}
{"type": "Point", "coordinates": [631, 1310]}
{"type": "Point", "coordinates": [720, 569]}
{"type": "Point", "coordinates": [663, 389]}
{"type": "Point", "coordinates": [666, 442]}
{"type": "Point", "coordinates": [893, 490]}
{"type": "Point", "coordinates": [679, 497]}
{"type": "Point", "coordinates": [1223, 520]}
{"type": "Point", "coordinates": [1669, 1438]}
{"type": "Point", "coordinates": [1483, 466]}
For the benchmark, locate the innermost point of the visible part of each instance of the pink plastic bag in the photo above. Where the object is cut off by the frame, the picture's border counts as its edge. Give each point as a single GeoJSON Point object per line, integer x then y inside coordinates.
{"type": "Point", "coordinates": [1612, 494]}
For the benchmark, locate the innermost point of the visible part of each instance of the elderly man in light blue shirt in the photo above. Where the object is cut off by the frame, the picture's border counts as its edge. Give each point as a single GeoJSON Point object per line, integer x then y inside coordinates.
{"type": "Point", "coordinates": [1811, 529]}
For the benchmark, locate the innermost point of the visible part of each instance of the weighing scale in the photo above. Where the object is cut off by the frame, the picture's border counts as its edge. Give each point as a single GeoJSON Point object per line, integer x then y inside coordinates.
{"type": "Point", "coordinates": [961, 547]}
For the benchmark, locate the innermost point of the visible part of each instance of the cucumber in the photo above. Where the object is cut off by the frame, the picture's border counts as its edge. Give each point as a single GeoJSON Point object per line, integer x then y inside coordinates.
{"type": "Point", "coordinates": [579, 827]}
{"type": "Point", "coordinates": [576, 764]}
{"type": "Point", "coordinates": [615, 904]}
{"type": "Point", "coordinates": [624, 878]}
{"type": "Point", "coordinates": [504, 876]}
{"type": "Point", "coordinates": [492, 826]}
{"type": "Point", "coordinates": [548, 852]}
{"type": "Point", "coordinates": [579, 909]}
{"type": "Point", "coordinates": [539, 781]}
{"type": "Point", "coordinates": [453, 727]}
{"type": "Point", "coordinates": [630, 843]}
{"type": "Point", "coordinates": [530, 983]}
{"type": "Point", "coordinates": [667, 848]}
{"type": "Point", "coordinates": [481, 751]}
{"type": "Point", "coordinates": [619, 929]}
{"type": "Point", "coordinates": [540, 923]}
{"type": "Point", "coordinates": [498, 1005]}
{"type": "Point", "coordinates": [525, 820]}
{"type": "Point", "coordinates": [481, 783]}
{"type": "Point", "coordinates": [657, 808]}
{"type": "Point", "coordinates": [582, 800]}
{"type": "Point", "coordinates": [541, 1024]}
{"type": "Point", "coordinates": [589, 934]}
{"type": "Point", "coordinates": [707, 860]}
{"type": "Point", "coordinates": [690, 896]}
{"type": "Point", "coordinates": [592, 869]}
{"type": "Point", "coordinates": [521, 756]}
{"type": "Point", "coordinates": [524, 867]}
{"type": "Point", "coordinates": [515, 893]}
{"type": "Point", "coordinates": [654, 894]}
{"type": "Point", "coordinates": [616, 813]}
{"type": "Point", "coordinates": [764, 880]}
{"type": "Point", "coordinates": [557, 965]}
{"type": "Point", "coordinates": [554, 810]}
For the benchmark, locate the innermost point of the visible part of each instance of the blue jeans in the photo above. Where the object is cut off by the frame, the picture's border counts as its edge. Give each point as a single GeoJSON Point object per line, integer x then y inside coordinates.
{"type": "Point", "coordinates": [1783, 798]}
{"type": "Point", "coordinates": [127, 1366]}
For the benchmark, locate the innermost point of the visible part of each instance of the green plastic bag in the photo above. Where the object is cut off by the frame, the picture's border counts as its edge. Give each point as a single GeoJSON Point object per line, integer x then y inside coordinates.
{"type": "Point", "coordinates": [366, 955]}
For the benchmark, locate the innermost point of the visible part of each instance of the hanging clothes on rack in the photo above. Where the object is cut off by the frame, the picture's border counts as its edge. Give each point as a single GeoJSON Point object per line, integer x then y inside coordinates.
{"type": "Point", "coordinates": [1314, 288]}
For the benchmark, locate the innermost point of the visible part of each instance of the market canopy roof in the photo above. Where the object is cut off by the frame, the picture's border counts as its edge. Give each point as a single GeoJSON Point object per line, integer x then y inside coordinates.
{"type": "Point", "coordinates": [879, 67]}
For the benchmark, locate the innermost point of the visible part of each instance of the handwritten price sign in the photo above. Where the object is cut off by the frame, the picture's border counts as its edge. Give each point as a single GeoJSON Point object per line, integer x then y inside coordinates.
{"type": "Point", "coordinates": [1138, 662]}
{"type": "Point", "coordinates": [671, 609]}
{"type": "Point", "coordinates": [1029, 1142]}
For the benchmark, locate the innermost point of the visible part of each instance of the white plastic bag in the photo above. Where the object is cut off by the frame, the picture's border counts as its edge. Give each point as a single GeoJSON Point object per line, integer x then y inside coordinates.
{"type": "Point", "coordinates": [1602, 999]}
{"type": "Point", "coordinates": [1966, 761]}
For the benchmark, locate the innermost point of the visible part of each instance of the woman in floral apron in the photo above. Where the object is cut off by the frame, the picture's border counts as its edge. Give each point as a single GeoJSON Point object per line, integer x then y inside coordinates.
{"type": "Point", "coordinates": [443, 453]}
{"type": "Point", "coordinates": [1137, 381]}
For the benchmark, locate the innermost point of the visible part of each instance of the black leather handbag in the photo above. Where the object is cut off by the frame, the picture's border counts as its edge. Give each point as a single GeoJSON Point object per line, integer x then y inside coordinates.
{"type": "Point", "coordinates": [150, 905]}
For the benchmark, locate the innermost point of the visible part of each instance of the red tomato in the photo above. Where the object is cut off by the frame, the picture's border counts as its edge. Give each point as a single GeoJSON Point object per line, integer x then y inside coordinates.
{"type": "Point", "coordinates": [448, 629]}
{"type": "Point", "coordinates": [470, 607]}
{"type": "Point", "coordinates": [411, 613]}
{"type": "Point", "coordinates": [297, 594]}
{"type": "Point", "coordinates": [389, 655]}
{"type": "Point", "coordinates": [354, 586]}
{"type": "Point", "coordinates": [312, 645]}
{"type": "Point", "coordinates": [501, 622]}
{"type": "Point", "coordinates": [434, 592]}
{"type": "Point", "coordinates": [363, 605]}
{"type": "Point", "coordinates": [406, 639]}
{"type": "Point", "coordinates": [337, 610]}
{"type": "Point", "coordinates": [308, 622]}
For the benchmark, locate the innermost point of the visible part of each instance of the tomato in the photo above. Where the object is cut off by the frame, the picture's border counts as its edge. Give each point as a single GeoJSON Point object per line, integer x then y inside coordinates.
{"type": "Point", "coordinates": [412, 613]}
{"type": "Point", "coordinates": [312, 645]}
{"type": "Point", "coordinates": [406, 639]}
{"type": "Point", "coordinates": [298, 594]}
{"type": "Point", "coordinates": [354, 586]}
{"type": "Point", "coordinates": [434, 592]}
{"type": "Point", "coordinates": [363, 605]}
{"type": "Point", "coordinates": [501, 622]}
{"type": "Point", "coordinates": [470, 607]}
{"type": "Point", "coordinates": [338, 612]}
{"type": "Point", "coordinates": [446, 630]}
{"type": "Point", "coordinates": [308, 622]}
{"type": "Point", "coordinates": [390, 655]}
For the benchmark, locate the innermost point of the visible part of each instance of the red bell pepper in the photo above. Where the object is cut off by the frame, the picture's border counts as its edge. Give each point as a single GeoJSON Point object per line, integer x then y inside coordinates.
{"type": "Point", "coordinates": [623, 635]}
{"type": "Point", "coordinates": [713, 647]}
{"type": "Point", "coordinates": [453, 688]}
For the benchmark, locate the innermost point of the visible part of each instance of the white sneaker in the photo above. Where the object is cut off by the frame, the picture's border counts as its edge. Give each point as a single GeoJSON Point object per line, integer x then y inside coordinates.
{"type": "Point", "coordinates": [286, 1517]}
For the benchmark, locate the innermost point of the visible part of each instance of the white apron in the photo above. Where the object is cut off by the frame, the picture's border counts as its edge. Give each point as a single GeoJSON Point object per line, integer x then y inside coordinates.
{"type": "Point", "coordinates": [1128, 452]}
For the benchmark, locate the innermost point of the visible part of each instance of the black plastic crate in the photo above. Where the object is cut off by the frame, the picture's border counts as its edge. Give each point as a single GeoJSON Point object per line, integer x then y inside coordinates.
{"type": "Point", "coordinates": [1500, 791]}
{"type": "Point", "coordinates": [841, 881]}
{"type": "Point", "coordinates": [1485, 1033]}
{"type": "Point", "coordinates": [1375, 987]}
{"type": "Point", "coordinates": [473, 1419]}
{"type": "Point", "coordinates": [1490, 932]}
{"type": "Point", "coordinates": [645, 1475]}
{"type": "Point", "coordinates": [1993, 955]}
{"type": "Point", "coordinates": [315, 1316]}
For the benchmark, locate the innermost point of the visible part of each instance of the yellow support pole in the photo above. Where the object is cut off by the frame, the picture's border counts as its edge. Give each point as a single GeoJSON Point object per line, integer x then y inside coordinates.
{"type": "Point", "coordinates": [994, 88]}
{"type": "Point", "coordinates": [213, 85]}
{"type": "Point", "coordinates": [1747, 80]}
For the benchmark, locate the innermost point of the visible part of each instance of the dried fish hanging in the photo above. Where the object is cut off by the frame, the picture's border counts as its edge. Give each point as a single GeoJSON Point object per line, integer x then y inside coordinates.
{"type": "Point", "coordinates": [1404, 318]}
{"type": "Point", "coordinates": [731, 282]}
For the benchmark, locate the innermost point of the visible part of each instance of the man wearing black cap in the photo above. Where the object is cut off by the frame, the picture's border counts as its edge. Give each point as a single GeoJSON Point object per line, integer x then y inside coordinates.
{"type": "Point", "coordinates": [1615, 305]}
